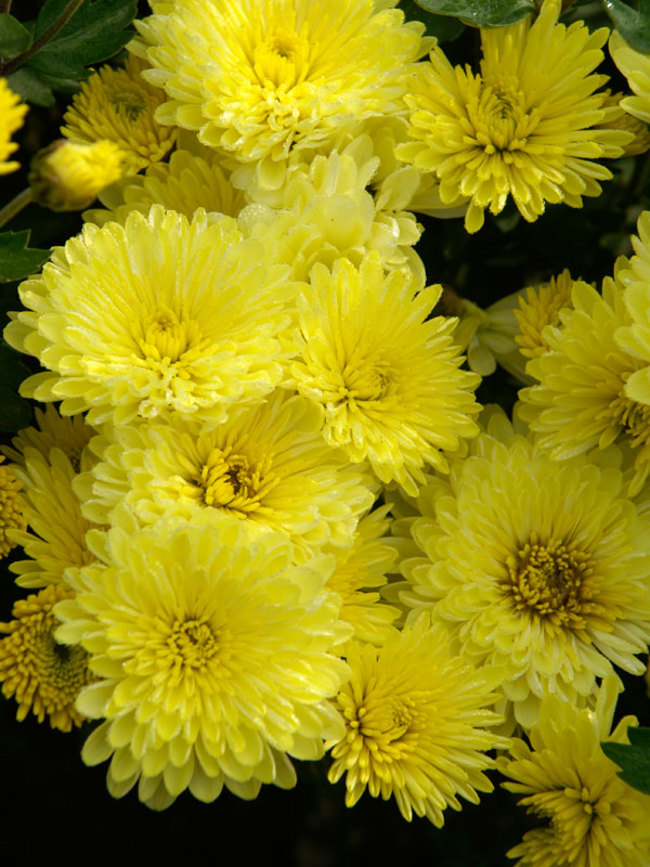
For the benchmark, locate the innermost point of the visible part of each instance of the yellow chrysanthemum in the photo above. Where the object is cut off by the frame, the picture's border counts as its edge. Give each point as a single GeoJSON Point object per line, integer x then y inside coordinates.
{"type": "Point", "coordinates": [12, 507]}
{"type": "Point", "coordinates": [325, 211]}
{"type": "Point", "coordinates": [12, 114]}
{"type": "Point", "coordinates": [540, 307]}
{"type": "Point", "coordinates": [156, 317]}
{"type": "Point", "coordinates": [268, 467]}
{"type": "Point", "coordinates": [215, 654]}
{"type": "Point", "coordinates": [526, 126]}
{"type": "Point", "coordinates": [67, 176]}
{"type": "Point", "coordinates": [264, 80]}
{"type": "Point", "coordinates": [581, 399]}
{"type": "Point", "coordinates": [640, 144]}
{"type": "Point", "coordinates": [386, 376]}
{"type": "Point", "coordinates": [359, 571]}
{"type": "Point", "coordinates": [537, 566]}
{"type": "Point", "coordinates": [57, 530]}
{"type": "Point", "coordinates": [594, 818]}
{"type": "Point", "coordinates": [635, 66]}
{"type": "Point", "coordinates": [44, 677]}
{"type": "Point", "coordinates": [184, 184]}
{"type": "Point", "coordinates": [118, 105]}
{"type": "Point", "coordinates": [415, 717]}
{"type": "Point", "coordinates": [70, 434]}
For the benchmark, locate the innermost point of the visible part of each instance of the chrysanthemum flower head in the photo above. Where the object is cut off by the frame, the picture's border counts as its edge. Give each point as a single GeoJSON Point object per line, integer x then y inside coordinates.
{"type": "Point", "coordinates": [635, 66]}
{"type": "Point", "coordinates": [44, 677]}
{"type": "Point", "coordinates": [187, 182]}
{"type": "Point", "coordinates": [53, 430]}
{"type": "Point", "coordinates": [581, 399]}
{"type": "Point", "coordinates": [325, 211]}
{"type": "Point", "coordinates": [267, 468]}
{"type": "Point", "coordinates": [159, 316]}
{"type": "Point", "coordinates": [415, 716]}
{"type": "Point", "coordinates": [525, 127]}
{"type": "Point", "coordinates": [386, 376]}
{"type": "Point", "coordinates": [67, 176]}
{"type": "Point", "coordinates": [118, 105]}
{"type": "Point", "coordinates": [539, 307]}
{"type": "Point", "coordinates": [594, 818]}
{"type": "Point", "coordinates": [215, 658]}
{"type": "Point", "coordinates": [263, 80]}
{"type": "Point", "coordinates": [12, 113]}
{"type": "Point", "coordinates": [12, 507]}
{"type": "Point", "coordinates": [535, 565]}
{"type": "Point", "coordinates": [56, 534]}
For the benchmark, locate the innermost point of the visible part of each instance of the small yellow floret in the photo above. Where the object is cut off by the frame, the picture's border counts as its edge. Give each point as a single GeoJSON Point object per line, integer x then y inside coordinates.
{"type": "Point", "coordinates": [118, 105]}
{"type": "Point", "coordinates": [44, 676]}
{"type": "Point", "coordinates": [12, 113]}
{"type": "Point", "coordinates": [67, 176]}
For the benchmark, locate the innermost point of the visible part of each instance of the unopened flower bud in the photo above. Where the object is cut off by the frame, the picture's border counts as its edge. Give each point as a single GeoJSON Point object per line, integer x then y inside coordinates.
{"type": "Point", "coordinates": [67, 176]}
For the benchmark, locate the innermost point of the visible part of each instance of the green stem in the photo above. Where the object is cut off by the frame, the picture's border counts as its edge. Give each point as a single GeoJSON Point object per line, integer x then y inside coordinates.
{"type": "Point", "coordinates": [15, 206]}
{"type": "Point", "coordinates": [5, 6]}
{"type": "Point", "coordinates": [12, 65]}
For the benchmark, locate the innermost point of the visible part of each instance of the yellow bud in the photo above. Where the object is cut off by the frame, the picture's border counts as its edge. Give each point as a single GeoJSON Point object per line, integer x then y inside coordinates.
{"type": "Point", "coordinates": [67, 176]}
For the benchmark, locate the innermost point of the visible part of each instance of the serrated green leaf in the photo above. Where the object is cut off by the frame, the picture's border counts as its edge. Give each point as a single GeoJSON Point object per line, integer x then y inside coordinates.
{"type": "Point", "coordinates": [16, 259]}
{"type": "Point", "coordinates": [15, 411]}
{"type": "Point", "coordinates": [633, 759]}
{"type": "Point", "coordinates": [443, 27]}
{"type": "Point", "coordinates": [14, 37]}
{"type": "Point", "coordinates": [31, 86]}
{"type": "Point", "coordinates": [633, 24]}
{"type": "Point", "coordinates": [481, 13]}
{"type": "Point", "coordinates": [93, 34]}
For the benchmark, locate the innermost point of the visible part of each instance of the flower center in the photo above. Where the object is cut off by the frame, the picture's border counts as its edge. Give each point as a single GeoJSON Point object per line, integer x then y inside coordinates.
{"type": "Point", "coordinates": [364, 382]}
{"type": "Point", "coordinates": [236, 481]}
{"type": "Point", "coordinates": [499, 118]}
{"type": "Point", "coordinates": [192, 643]}
{"type": "Point", "coordinates": [282, 60]}
{"type": "Point", "coordinates": [128, 104]}
{"type": "Point", "coordinates": [550, 580]}
{"type": "Point", "coordinates": [166, 336]}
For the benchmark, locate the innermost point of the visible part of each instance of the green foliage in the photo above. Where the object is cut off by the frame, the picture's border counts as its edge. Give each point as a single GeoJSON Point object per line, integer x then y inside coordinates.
{"type": "Point", "coordinates": [443, 27]}
{"type": "Point", "coordinates": [633, 24]}
{"type": "Point", "coordinates": [94, 33]}
{"type": "Point", "coordinates": [481, 13]}
{"type": "Point", "coordinates": [17, 260]}
{"type": "Point", "coordinates": [633, 758]}
{"type": "Point", "coordinates": [15, 411]}
{"type": "Point", "coordinates": [14, 38]}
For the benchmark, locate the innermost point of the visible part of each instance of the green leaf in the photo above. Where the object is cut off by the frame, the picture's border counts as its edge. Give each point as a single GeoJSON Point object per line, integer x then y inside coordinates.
{"type": "Point", "coordinates": [633, 759]}
{"type": "Point", "coordinates": [16, 259]}
{"type": "Point", "coordinates": [93, 34]}
{"type": "Point", "coordinates": [31, 86]}
{"type": "Point", "coordinates": [633, 24]}
{"type": "Point", "coordinates": [15, 411]}
{"type": "Point", "coordinates": [444, 28]}
{"type": "Point", "coordinates": [14, 37]}
{"type": "Point", "coordinates": [481, 13]}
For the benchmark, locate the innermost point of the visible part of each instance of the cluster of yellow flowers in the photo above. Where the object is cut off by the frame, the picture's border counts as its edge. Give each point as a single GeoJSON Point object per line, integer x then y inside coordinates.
{"type": "Point", "coordinates": [263, 513]}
